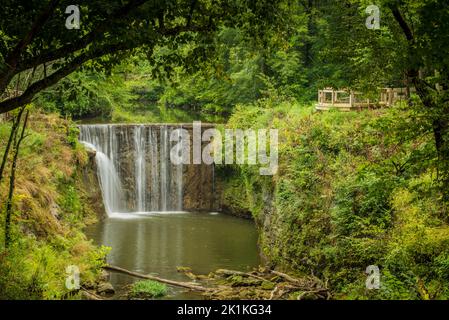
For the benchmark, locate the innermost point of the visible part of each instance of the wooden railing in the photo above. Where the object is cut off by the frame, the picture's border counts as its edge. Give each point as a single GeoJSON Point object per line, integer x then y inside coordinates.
{"type": "Point", "coordinates": [347, 100]}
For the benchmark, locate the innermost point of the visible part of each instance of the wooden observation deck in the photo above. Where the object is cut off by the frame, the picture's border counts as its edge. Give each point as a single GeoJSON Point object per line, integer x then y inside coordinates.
{"type": "Point", "coordinates": [347, 100]}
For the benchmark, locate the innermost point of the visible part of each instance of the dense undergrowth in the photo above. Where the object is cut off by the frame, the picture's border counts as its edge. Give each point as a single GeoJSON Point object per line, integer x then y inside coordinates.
{"type": "Point", "coordinates": [352, 190]}
{"type": "Point", "coordinates": [51, 207]}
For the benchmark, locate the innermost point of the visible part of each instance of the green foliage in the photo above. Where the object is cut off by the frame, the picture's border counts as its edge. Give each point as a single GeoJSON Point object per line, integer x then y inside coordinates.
{"type": "Point", "coordinates": [33, 269]}
{"type": "Point", "coordinates": [147, 289]}
{"type": "Point", "coordinates": [72, 136]}
{"type": "Point", "coordinates": [50, 210]}
{"type": "Point", "coordinates": [164, 87]}
{"type": "Point", "coordinates": [352, 190]}
{"type": "Point", "coordinates": [71, 204]}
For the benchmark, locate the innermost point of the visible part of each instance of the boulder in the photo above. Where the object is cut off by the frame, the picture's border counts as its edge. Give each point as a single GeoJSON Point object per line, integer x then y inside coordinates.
{"type": "Point", "coordinates": [105, 288]}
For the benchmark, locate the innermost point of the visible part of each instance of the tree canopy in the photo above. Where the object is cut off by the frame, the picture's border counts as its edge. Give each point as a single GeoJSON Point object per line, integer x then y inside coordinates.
{"type": "Point", "coordinates": [35, 40]}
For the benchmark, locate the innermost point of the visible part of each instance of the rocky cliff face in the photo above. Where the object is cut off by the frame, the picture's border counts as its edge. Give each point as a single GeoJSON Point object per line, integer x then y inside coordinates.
{"type": "Point", "coordinates": [246, 194]}
{"type": "Point", "coordinates": [199, 188]}
{"type": "Point", "coordinates": [91, 185]}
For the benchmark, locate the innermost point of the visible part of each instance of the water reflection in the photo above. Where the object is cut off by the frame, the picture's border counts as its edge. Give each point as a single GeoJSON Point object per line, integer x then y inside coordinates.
{"type": "Point", "coordinates": [159, 243]}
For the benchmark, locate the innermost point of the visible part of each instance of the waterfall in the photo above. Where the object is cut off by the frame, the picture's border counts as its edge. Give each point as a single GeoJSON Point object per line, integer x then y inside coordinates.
{"type": "Point", "coordinates": [134, 167]}
{"type": "Point", "coordinates": [154, 156]}
{"type": "Point", "coordinates": [179, 177]}
{"type": "Point", "coordinates": [164, 168]}
{"type": "Point", "coordinates": [102, 141]}
{"type": "Point", "coordinates": [139, 144]}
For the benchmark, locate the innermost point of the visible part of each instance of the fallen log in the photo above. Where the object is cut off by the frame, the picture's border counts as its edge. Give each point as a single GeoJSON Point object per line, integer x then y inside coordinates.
{"type": "Point", "coordinates": [227, 272]}
{"type": "Point", "coordinates": [286, 277]}
{"type": "Point", "coordinates": [190, 286]}
{"type": "Point", "coordinates": [90, 295]}
{"type": "Point", "coordinates": [273, 292]}
{"type": "Point", "coordinates": [320, 292]}
{"type": "Point", "coordinates": [311, 285]}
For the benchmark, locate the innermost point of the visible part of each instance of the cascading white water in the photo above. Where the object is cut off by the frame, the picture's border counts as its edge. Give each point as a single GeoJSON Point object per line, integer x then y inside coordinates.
{"type": "Point", "coordinates": [134, 167]}
{"type": "Point", "coordinates": [140, 147]}
{"type": "Point", "coordinates": [164, 168]}
{"type": "Point", "coordinates": [179, 174]}
{"type": "Point", "coordinates": [110, 184]}
{"type": "Point", "coordinates": [154, 156]}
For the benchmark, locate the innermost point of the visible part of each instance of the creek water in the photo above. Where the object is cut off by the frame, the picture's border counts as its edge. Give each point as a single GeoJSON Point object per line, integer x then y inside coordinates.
{"type": "Point", "coordinates": [158, 243]}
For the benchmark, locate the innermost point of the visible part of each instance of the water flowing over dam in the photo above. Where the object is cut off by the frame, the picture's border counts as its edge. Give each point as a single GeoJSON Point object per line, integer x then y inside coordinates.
{"type": "Point", "coordinates": [135, 172]}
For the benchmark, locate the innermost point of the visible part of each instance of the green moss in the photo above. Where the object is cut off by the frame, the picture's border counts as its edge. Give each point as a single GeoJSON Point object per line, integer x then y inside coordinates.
{"type": "Point", "coordinates": [147, 289]}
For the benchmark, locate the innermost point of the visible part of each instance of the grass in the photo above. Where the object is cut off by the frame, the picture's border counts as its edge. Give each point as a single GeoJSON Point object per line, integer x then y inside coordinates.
{"type": "Point", "coordinates": [148, 289]}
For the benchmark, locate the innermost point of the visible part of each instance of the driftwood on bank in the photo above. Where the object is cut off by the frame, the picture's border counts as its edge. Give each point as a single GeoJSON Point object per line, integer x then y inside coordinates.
{"type": "Point", "coordinates": [90, 295]}
{"type": "Point", "coordinates": [309, 285]}
{"type": "Point", "coordinates": [227, 272]}
{"type": "Point", "coordinates": [286, 277]}
{"type": "Point", "coordinates": [187, 285]}
{"type": "Point", "coordinates": [258, 284]}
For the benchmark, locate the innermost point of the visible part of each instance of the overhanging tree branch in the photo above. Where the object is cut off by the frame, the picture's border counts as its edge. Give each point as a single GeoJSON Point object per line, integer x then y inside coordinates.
{"type": "Point", "coordinates": [27, 96]}
{"type": "Point", "coordinates": [83, 42]}
{"type": "Point", "coordinates": [13, 57]}
{"type": "Point", "coordinates": [90, 46]}
{"type": "Point", "coordinates": [52, 79]}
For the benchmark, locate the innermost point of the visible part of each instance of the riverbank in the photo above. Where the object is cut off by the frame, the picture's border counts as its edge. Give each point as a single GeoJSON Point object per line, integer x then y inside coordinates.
{"type": "Point", "coordinates": [56, 195]}
{"type": "Point", "coordinates": [353, 190]}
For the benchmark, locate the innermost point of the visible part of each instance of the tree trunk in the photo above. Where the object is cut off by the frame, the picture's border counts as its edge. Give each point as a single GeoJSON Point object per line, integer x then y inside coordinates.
{"type": "Point", "coordinates": [12, 182]}
{"type": "Point", "coordinates": [441, 136]}
{"type": "Point", "coordinates": [15, 125]}
{"type": "Point", "coordinates": [426, 95]}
